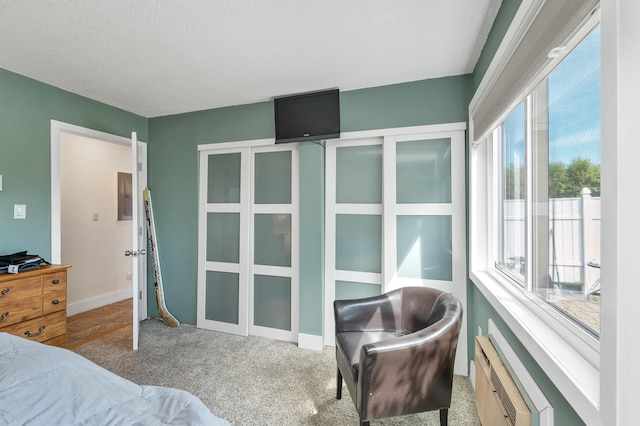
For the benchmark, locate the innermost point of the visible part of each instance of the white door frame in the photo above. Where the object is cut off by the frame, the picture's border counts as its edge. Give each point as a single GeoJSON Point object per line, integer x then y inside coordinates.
{"type": "Point", "coordinates": [57, 128]}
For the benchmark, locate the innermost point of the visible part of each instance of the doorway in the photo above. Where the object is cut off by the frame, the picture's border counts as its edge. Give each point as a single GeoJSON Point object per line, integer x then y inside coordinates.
{"type": "Point", "coordinates": [88, 230]}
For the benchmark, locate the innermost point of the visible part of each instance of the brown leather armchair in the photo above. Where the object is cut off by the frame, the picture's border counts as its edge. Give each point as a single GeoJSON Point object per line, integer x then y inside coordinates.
{"type": "Point", "coordinates": [396, 351]}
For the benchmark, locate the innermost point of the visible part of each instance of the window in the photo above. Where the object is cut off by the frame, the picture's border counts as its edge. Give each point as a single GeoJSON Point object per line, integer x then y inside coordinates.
{"type": "Point", "coordinates": [548, 174]}
{"type": "Point", "coordinates": [511, 138]}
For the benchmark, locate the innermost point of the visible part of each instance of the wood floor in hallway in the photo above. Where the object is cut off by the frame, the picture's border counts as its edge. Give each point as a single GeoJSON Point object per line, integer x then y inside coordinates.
{"type": "Point", "coordinates": [87, 326]}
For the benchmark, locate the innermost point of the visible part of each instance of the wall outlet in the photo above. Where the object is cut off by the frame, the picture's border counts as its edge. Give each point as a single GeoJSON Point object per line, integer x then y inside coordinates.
{"type": "Point", "coordinates": [95, 216]}
{"type": "Point", "coordinates": [129, 275]}
{"type": "Point", "coordinates": [479, 331]}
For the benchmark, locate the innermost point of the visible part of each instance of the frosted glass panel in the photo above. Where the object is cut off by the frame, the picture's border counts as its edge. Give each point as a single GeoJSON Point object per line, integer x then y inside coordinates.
{"type": "Point", "coordinates": [350, 290]}
{"type": "Point", "coordinates": [358, 242]}
{"type": "Point", "coordinates": [223, 237]}
{"type": "Point", "coordinates": [272, 239]}
{"type": "Point", "coordinates": [424, 247]}
{"type": "Point", "coordinates": [222, 297]}
{"type": "Point", "coordinates": [359, 174]}
{"type": "Point", "coordinates": [272, 302]}
{"type": "Point", "coordinates": [272, 178]}
{"type": "Point", "coordinates": [423, 171]}
{"type": "Point", "coordinates": [223, 185]}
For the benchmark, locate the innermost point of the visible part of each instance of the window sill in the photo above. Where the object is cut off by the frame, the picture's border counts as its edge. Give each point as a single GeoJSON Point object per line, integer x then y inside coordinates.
{"type": "Point", "coordinates": [574, 376]}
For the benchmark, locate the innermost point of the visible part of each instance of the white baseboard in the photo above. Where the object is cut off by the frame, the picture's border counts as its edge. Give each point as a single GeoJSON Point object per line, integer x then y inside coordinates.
{"type": "Point", "coordinates": [98, 301]}
{"type": "Point", "coordinates": [310, 341]}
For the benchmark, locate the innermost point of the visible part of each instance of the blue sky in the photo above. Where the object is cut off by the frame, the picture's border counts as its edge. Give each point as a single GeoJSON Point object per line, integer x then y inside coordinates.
{"type": "Point", "coordinates": [574, 104]}
{"type": "Point", "coordinates": [574, 109]}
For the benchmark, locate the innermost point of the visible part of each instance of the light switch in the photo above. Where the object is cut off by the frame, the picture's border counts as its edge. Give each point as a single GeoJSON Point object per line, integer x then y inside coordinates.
{"type": "Point", "coordinates": [0, 182]}
{"type": "Point", "coordinates": [19, 211]}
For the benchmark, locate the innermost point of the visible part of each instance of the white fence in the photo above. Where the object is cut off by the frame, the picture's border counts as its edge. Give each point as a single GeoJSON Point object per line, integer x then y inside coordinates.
{"type": "Point", "coordinates": [574, 238]}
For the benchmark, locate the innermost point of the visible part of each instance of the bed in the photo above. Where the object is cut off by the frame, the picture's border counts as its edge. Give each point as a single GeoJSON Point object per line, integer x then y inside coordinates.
{"type": "Point", "coordinates": [45, 385]}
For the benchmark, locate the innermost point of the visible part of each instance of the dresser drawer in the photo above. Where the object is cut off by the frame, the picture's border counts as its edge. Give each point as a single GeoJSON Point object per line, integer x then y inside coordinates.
{"type": "Point", "coordinates": [18, 310]}
{"type": "Point", "coordinates": [40, 329]}
{"type": "Point", "coordinates": [54, 294]}
{"type": "Point", "coordinates": [21, 288]}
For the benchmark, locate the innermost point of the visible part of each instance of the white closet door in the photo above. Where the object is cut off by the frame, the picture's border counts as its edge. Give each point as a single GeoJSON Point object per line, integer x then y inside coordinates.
{"type": "Point", "coordinates": [248, 240]}
{"type": "Point", "coordinates": [223, 241]}
{"type": "Point", "coordinates": [396, 218]}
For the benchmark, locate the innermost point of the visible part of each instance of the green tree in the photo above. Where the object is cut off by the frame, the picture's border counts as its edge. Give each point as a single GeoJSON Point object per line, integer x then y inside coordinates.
{"type": "Point", "coordinates": [568, 181]}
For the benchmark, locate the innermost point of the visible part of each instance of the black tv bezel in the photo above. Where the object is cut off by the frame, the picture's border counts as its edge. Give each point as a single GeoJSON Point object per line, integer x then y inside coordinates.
{"type": "Point", "coordinates": [311, 137]}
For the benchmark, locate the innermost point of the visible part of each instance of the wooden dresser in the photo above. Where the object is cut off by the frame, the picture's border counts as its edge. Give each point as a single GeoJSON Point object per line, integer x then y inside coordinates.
{"type": "Point", "coordinates": [33, 304]}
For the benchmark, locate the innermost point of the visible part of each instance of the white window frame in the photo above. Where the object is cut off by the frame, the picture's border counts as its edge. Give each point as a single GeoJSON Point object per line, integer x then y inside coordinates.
{"type": "Point", "coordinates": [568, 355]}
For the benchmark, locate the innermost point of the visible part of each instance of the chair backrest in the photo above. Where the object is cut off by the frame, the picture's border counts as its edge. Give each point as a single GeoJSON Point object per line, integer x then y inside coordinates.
{"type": "Point", "coordinates": [422, 307]}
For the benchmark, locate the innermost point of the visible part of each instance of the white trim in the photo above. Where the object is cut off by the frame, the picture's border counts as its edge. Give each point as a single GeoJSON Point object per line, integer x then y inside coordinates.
{"type": "Point", "coordinates": [542, 405]}
{"type": "Point", "coordinates": [400, 131]}
{"type": "Point", "coordinates": [97, 302]}
{"type": "Point", "coordinates": [358, 277]}
{"type": "Point", "coordinates": [234, 146]}
{"type": "Point", "coordinates": [310, 341]}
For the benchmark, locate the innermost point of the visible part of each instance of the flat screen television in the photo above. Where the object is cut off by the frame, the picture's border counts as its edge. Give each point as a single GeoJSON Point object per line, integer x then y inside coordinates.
{"type": "Point", "coordinates": [307, 116]}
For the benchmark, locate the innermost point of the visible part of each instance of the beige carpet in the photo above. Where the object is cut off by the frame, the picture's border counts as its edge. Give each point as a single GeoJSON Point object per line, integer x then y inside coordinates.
{"type": "Point", "coordinates": [250, 380]}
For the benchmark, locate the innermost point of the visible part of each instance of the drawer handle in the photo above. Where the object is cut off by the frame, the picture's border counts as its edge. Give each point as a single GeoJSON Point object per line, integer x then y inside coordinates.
{"type": "Point", "coordinates": [4, 316]}
{"type": "Point", "coordinates": [30, 334]}
{"type": "Point", "coordinates": [4, 293]}
{"type": "Point", "coordinates": [56, 281]}
{"type": "Point", "coordinates": [55, 302]}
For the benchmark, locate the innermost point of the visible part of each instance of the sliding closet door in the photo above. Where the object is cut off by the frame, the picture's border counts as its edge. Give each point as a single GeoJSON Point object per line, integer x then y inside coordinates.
{"type": "Point", "coordinates": [354, 223]}
{"type": "Point", "coordinates": [248, 240]}
{"type": "Point", "coordinates": [274, 257]}
{"type": "Point", "coordinates": [223, 245]}
{"type": "Point", "coordinates": [395, 218]}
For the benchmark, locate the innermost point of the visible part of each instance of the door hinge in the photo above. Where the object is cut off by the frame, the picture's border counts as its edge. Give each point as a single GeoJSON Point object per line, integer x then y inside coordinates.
{"type": "Point", "coordinates": [140, 294]}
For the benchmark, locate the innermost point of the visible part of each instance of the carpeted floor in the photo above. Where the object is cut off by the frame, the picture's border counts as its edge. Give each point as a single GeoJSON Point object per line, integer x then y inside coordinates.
{"type": "Point", "coordinates": [250, 380]}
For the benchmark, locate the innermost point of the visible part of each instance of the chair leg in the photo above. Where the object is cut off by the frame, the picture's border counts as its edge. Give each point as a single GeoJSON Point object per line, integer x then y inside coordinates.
{"type": "Point", "coordinates": [444, 414]}
{"type": "Point", "coordinates": [364, 423]}
{"type": "Point", "coordinates": [339, 387]}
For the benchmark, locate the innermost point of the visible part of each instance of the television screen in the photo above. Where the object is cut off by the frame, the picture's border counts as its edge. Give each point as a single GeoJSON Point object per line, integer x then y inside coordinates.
{"type": "Point", "coordinates": [309, 116]}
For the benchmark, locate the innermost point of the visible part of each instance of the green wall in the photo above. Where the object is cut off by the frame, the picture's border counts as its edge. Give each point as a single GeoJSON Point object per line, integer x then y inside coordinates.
{"type": "Point", "coordinates": [173, 173]}
{"type": "Point", "coordinates": [26, 108]}
{"type": "Point", "coordinates": [479, 310]}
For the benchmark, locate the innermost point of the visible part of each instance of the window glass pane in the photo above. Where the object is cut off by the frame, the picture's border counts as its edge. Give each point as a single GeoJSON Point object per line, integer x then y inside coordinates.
{"type": "Point", "coordinates": [424, 247]}
{"type": "Point", "coordinates": [359, 242]}
{"type": "Point", "coordinates": [223, 183]}
{"type": "Point", "coordinates": [272, 239]}
{"type": "Point", "coordinates": [573, 284]}
{"type": "Point", "coordinates": [222, 297]}
{"type": "Point", "coordinates": [512, 194]}
{"type": "Point", "coordinates": [352, 290]}
{"type": "Point", "coordinates": [423, 171]}
{"type": "Point", "coordinates": [272, 302]}
{"type": "Point", "coordinates": [223, 237]}
{"type": "Point", "coordinates": [272, 178]}
{"type": "Point", "coordinates": [359, 174]}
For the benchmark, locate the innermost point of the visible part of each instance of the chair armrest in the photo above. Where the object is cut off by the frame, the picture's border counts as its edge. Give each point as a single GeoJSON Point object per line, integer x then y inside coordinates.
{"type": "Point", "coordinates": [368, 314]}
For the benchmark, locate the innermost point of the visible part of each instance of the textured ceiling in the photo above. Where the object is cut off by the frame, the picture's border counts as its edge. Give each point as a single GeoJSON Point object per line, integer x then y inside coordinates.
{"type": "Point", "coordinates": [164, 57]}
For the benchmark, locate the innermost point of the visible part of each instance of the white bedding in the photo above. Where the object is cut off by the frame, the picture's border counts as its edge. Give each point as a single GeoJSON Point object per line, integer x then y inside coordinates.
{"type": "Point", "coordinates": [45, 385]}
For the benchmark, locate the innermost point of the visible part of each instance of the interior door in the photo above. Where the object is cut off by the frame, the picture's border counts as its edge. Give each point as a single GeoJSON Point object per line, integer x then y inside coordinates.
{"type": "Point", "coordinates": [137, 251]}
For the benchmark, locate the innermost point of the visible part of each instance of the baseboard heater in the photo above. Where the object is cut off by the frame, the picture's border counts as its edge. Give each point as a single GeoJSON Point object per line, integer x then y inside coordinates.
{"type": "Point", "coordinates": [505, 393]}
{"type": "Point", "coordinates": [498, 399]}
